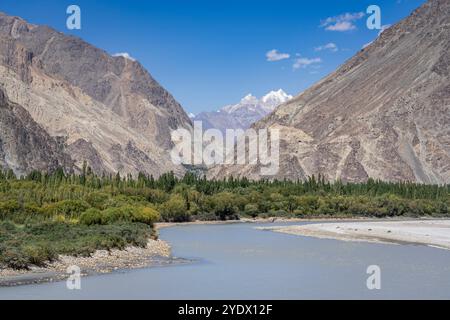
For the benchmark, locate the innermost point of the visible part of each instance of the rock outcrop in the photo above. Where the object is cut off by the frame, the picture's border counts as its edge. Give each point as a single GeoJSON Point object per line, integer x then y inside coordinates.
{"type": "Point", "coordinates": [25, 145]}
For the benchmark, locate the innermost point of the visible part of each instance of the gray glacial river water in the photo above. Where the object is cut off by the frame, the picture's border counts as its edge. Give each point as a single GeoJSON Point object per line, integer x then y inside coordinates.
{"type": "Point", "coordinates": [237, 261]}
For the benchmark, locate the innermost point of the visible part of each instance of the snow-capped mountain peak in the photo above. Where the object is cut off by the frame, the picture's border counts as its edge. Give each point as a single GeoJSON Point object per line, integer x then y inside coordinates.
{"type": "Point", "coordinates": [249, 99]}
{"type": "Point", "coordinates": [252, 104]}
{"type": "Point", "coordinates": [243, 114]}
{"type": "Point", "coordinates": [276, 96]}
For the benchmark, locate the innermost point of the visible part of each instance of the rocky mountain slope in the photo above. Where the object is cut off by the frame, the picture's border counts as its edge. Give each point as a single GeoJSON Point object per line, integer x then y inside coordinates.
{"type": "Point", "coordinates": [109, 110]}
{"type": "Point", "coordinates": [243, 114]}
{"type": "Point", "coordinates": [384, 114]}
{"type": "Point", "coordinates": [24, 145]}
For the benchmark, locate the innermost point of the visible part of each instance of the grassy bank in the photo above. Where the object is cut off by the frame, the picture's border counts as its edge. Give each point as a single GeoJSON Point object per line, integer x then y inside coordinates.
{"type": "Point", "coordinates": [40, 243]}
{"type": "Point", "coordinates": [45, 215]}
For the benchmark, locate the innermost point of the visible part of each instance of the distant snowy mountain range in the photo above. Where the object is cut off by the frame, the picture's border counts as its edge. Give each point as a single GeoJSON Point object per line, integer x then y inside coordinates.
{"type": "Point", "coordinates": [243, 114]}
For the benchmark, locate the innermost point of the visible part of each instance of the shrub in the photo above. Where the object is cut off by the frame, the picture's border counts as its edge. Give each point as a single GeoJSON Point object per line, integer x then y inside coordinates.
{"type": "Point", "coordinates": [174, 210]}
{"type": "Point", "coordinates": [59, 218]}
{"type": "Point", "coordinates": [31, 209]}
{"type": "Point", "coordinates": [98, 200]}
{"type": "Point", "coordinates": [120, 214]}
{"type": "Point", "coordinates": [8, 208]}
{"type": "Point", "coordinates": [276, 197]}
{"type": "Point", "coordinates": [7, 226]}
{"type": "Point", "coordinates": [14, 258]}
{"type": "Point", "coordinates": [194, 209]}
{"type": "Point", "coordinates": [146, 215]}
{"type": "Point", "coordinates": [156, 196]}
{"type": "Point", "coordinates": [205, 216]}
{"type": "Point", "coordinates": [222, 204]}
{"type": "Point", "coordinates": [308, 204]}
{"type": "Point", "coordinates": [252, 210]}
{"type": "Point", "coordinates": [69, 208]}
{"type": "Point", "coordinates": [264, 206]}
{"type": "Point", "coordinates": [443, 208]}
{"type": "Point", "coordinates": [91, 216]}
{"type": "Point", "coordinates": [39, 255]}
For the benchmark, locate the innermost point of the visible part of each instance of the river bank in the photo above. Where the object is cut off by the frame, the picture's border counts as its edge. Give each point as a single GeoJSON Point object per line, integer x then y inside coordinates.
{"type": "Point", "coordinates": [433, 233]}
{"type": "Point", "coordinates": [237, 261]}
{"type": "Point", "coordinates": [163, 225]}
{"type": "Point", "coordinates": [156, 253]}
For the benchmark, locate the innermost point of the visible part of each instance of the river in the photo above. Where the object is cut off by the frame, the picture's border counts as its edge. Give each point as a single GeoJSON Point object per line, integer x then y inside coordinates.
{"type": "Point", "coordinates": [236, 261]}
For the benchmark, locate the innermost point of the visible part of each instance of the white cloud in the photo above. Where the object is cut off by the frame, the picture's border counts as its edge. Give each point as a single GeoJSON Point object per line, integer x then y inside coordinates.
{"type": "Point", "coordinates": [124, 55]}
{"type": "Point", "coordinates": [305, 62]}
{"type": "Point", "coordinates": [329, 46]}
{"type": "Point", "coordinates": [274, 55]}
{"type": "Point", "coordinates": [341, 26]}
{"type": "Point", "coordinates": [343, 22]}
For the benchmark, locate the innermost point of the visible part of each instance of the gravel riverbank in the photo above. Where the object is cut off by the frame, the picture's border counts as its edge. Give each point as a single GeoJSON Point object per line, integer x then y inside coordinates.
{"type": "Point", "coordinates": [156, 253]}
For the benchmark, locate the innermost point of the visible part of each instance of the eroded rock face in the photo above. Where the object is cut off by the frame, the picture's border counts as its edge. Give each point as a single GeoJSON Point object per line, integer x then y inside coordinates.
{"type": "Point", "coordinates": [25, 145]}
{"type": "Point", "coordinates": [80, 92]}
{"type": "Point", "coordinates": [82, 149]}
{"type": "Point", "coordinates": [384, 114]}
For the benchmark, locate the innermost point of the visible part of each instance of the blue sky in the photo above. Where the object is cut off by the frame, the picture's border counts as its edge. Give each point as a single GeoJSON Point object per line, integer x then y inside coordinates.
{"type": "Point", "coordinates": [212, 53]}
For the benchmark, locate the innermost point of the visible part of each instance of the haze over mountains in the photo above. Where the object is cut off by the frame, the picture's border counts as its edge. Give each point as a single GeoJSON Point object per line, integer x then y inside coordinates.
{"type": "Point", "coordinates": [243, 114]}
{"type": "Point", "coordinates": [384, 114]}
{"type": "Point", "coordinates": [106, 110]}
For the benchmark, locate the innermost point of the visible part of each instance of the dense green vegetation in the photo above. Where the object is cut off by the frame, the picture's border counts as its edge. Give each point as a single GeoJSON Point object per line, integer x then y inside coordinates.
{"type": "Point", "coordinates": [43, 215]}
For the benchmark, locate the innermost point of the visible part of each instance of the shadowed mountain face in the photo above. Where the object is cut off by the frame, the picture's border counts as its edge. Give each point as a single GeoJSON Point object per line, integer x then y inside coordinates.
{"type": "Point", "coordinates": [24, 145]}
{"type": "Point", "coordinates": [384, 114]}
{"type": "Point", "coordinates": [112, 113]}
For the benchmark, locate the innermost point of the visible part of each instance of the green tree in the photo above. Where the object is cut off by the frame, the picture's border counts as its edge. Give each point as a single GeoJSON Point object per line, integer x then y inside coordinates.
{"type": "Point", "coordinates": [174, 210]}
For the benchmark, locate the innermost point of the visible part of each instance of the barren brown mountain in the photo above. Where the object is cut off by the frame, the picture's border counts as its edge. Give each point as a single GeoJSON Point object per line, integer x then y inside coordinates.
{"type": "Point", "coordinates": [19, 136]}
{"type": "Point", "coordinates": [384, 114]}
{"type": "Point", "coordinates": [106, 110]}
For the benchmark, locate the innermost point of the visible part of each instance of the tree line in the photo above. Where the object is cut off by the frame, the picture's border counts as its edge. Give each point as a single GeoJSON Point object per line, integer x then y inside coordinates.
{"type": "Point", "coordinates": [43, 215]}
{"type": "Point", "coordinates": [194, 196]}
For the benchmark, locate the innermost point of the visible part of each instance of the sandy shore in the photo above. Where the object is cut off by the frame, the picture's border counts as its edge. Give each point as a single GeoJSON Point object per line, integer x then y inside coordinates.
{"type": "Point", "coordinates": [162, 225]}
{"type": "Point", "coordinates": [435, 233]}
{"type": "Point", "coordinates": [156, 253]}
